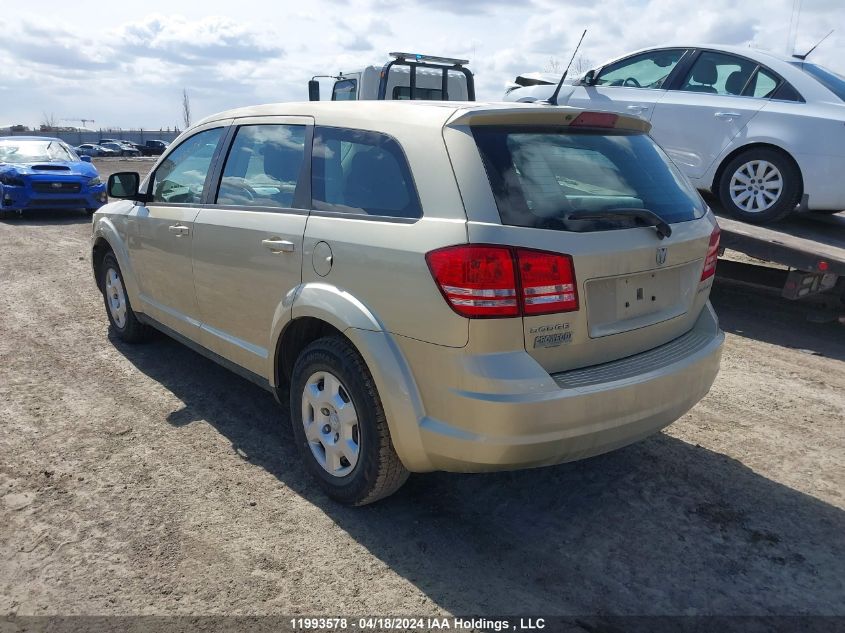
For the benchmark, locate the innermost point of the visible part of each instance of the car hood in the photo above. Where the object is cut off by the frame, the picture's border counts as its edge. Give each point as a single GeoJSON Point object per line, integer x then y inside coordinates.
{"type": "Point", "coordinates": [57, 168]}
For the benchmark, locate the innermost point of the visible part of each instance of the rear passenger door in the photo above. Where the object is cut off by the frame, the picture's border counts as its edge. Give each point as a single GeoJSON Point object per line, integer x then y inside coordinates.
{"type": "Point", "coordinates": [713, 104]}
{"type": "Point", "coordinates": [247, 252]}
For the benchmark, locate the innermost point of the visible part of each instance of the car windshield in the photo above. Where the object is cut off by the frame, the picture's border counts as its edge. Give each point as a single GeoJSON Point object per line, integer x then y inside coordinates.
{"type": "Point", "coordinates": [544, 177]}
{"type": "Point", "coordinates": [13, 151]}
{"type": "Point", "coordinates": [829, 79]}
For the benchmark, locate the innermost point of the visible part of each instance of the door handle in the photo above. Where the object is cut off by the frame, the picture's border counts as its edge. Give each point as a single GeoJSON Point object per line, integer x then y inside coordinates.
{"type": "Point", "coordinates": [637, 108]}
{"type": "Point", "coordinates": [278, 246]}
{"type": "Point", "coordinates": [727, 115]}
{"type": "Point", "coordinates": [179, 229]}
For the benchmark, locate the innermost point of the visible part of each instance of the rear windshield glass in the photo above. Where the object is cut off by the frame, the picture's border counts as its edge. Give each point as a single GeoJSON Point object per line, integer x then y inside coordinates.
{"type": "Point", "coordinates": [829, 79]}
{"type": "Point", "coordinates": [541, 176]}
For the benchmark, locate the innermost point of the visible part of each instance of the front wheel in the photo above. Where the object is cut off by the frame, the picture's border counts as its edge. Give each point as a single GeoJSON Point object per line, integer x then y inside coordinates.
{"type": "Point", "coordinates": [340, 426]}
{"type": "Point", "coordinates": [118, 309]}
{"type": "Point", "coordinates": [759, 186]}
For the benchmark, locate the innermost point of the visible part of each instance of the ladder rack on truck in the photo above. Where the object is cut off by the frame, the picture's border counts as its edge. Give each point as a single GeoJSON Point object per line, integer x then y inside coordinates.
{"type": "Point", "coordinates": [813, 248]}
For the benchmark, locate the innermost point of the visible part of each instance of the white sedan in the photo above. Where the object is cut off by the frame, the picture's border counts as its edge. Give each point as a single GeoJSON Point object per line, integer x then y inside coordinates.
{"type": "Point", "coordinates": [764, 132]}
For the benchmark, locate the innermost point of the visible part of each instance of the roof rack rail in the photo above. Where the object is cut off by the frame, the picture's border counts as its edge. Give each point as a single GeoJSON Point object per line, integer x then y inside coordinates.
{"type": "Point", "coordinates": [418, 57]}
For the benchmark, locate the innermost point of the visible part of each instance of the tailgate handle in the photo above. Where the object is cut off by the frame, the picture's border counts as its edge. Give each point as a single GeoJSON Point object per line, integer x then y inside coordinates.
{"type": "Point", "coordinates": [278, 246]}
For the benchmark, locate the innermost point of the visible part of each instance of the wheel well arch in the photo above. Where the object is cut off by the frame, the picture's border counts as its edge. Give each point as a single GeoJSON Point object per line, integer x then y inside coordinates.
{"type": "Point", "coordinates": [751, 146]}
{"type": "Point", "coordinates": [296, 336]}
{"type": "Point", "coordinates": [98, 252]}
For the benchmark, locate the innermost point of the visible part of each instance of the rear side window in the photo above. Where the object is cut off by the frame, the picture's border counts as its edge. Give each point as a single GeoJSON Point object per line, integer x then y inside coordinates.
{"type": "Point", "coordinates": [361, 172]}
{"type": "Point", "coordinates": [719, 74]}
{"type": "Point", "coordinates": [541, 176]}
{"type": "Point", "coordinates": [263, 166]}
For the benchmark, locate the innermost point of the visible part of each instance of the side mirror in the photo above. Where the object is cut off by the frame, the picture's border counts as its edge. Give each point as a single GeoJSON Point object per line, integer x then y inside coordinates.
{"type": "Point", "coordinates": [85, 158]}
{"type": "Point", "coordinates": [589, 79]}
{"type": "Point", "coordinates": [313, 90]}
{"type": "Point", "coordinates": [124, 185]}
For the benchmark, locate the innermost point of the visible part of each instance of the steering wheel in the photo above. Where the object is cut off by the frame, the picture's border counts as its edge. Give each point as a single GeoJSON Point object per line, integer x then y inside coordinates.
{"type": "Point", "coordinates": [239, 187]}
{"type": "Point", "coordinates": [630, 82]}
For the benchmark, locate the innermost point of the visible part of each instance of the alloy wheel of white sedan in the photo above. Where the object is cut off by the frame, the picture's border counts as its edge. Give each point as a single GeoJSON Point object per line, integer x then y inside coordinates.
{"type": "Point", "coordinates": [756, 186]}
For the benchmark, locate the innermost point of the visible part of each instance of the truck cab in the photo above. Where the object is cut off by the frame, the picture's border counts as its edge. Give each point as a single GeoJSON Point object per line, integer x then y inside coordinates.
{"type": "Point", "coordinates": [406, 76]}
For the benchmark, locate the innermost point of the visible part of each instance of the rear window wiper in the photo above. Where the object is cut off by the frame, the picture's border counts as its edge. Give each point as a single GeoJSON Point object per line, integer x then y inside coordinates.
{"type": "Point", "coordinates": [644, 216]}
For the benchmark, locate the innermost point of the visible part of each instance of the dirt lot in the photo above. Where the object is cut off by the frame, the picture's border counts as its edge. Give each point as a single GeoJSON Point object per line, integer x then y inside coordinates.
{"type": "Point", "coordinates": [147, 480]}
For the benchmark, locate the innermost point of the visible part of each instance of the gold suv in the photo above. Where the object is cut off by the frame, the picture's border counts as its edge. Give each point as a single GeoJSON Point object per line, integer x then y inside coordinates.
{"type": "Point", "coordinates": [442, 286]}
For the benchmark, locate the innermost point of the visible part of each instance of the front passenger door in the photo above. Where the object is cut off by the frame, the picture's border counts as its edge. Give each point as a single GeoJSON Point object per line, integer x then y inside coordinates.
{"type": "Point", "coordinates": [630, 86]}
{"type": "Point", "coordinates": [161, 232]}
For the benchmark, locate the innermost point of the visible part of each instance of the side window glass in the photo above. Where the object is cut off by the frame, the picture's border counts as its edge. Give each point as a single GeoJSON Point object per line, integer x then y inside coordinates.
{"type": "Point", "coordinates": [354, 171]}
{"type": "Point", "coordinates": [718, 74]}
{"type": "Point", "coordinates": [648, 70]}
{"type": "Point", "coordinates": [345, 90]}
{"type": "Point", "coordinates": [263, 166]}
{"type": "Point", "coordinates": [762, 85]}
{"type": "Point", "coordinates": [181, 177]}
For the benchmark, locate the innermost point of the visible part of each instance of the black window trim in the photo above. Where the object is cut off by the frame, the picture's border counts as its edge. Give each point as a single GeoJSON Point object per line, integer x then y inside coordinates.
{"type": "Point", "coordinates": [697, 52]}
{"type": "Point", "coordinates": [302, 194]}
{"type": "Point", "coordinates": [687, 51]}
{"type": "Point", "coordinates": [208, 176]}
{"type": "Point", "coordinates": [365, 216]}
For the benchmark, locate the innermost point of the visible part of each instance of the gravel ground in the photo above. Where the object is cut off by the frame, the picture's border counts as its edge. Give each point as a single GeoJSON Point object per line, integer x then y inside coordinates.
{"type": "Point", "coordinates": [148, 480]}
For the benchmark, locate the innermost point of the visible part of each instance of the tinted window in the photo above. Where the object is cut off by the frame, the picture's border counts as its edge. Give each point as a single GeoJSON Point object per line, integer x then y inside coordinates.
{"type": "Point", "coordinates": [787, 93]}
{"type": "Point", "coordinates": [181, 177]}
{"type": "Point", "coordinates": [354, 171]}
{"type": "Point", "coordinates": [345, 90]}
{"type": "Point", "coordinates": [829, 79]}
{"type": "Point", "coordinates": [717, 73]}
{"type": "Point", "coordinates": [429, 94]}
{"type": "Point", "coordinates": [540, 176]}
{"type": "Point", "coordinates": [263, 166]}
{"type": "Point", "coordinates": [648, 70]}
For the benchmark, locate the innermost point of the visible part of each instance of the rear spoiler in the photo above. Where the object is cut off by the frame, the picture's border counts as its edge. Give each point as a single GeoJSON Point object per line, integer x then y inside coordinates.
{"type": "Point", "coordinates": [531, 114]}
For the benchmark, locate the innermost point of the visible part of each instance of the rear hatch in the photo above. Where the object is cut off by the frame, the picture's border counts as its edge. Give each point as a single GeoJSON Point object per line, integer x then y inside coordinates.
{"type": "Point", "coordinates": [635, 232]}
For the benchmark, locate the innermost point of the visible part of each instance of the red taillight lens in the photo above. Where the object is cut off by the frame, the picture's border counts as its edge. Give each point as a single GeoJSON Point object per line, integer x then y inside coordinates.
{"type": "Point", "coordinates": [481, 281]}
{"type": "Point", "coordinates": [548, 282]}
{"type": "Point", "coordinates": [477, 281]}
{"type": "Point", "coordinates": [712, 255]}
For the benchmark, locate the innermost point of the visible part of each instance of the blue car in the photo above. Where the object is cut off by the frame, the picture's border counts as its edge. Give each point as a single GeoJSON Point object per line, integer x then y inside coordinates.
{"type": "Point", "coordinates": [44, 173]}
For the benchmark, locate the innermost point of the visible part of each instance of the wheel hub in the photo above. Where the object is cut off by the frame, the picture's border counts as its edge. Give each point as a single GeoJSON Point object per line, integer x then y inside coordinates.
{"type": "Point", "coordinates": [331, 423]}
{"type": "Point", "coordinates": [756, 186]}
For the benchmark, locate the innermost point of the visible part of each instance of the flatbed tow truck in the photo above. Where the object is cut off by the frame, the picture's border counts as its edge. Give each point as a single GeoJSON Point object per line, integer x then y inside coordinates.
{"type": "Point", "coordinates": [809, 247]}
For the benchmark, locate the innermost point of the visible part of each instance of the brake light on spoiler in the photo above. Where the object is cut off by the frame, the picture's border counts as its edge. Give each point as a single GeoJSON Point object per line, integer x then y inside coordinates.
{"type": "Point", "coordinates": [492, 281]}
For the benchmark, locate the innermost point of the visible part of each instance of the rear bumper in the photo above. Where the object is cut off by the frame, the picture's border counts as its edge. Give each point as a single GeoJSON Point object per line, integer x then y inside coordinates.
{"type": "Point", "coordinates": [583, 413]}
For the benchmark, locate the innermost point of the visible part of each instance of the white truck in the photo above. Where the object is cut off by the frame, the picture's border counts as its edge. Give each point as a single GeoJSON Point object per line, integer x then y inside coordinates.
{"type": "Point", "coordinates": [405, 76]}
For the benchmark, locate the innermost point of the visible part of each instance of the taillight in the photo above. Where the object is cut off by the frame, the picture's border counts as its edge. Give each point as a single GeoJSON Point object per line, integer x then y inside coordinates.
{"type": "Point", "coordinates": [500, 281]}
{"type": "Point", "coordinates": [712, 255]}
{"type": "Point", "coordinates": [595, 119]}
{"type": "Point", "coordinates": [547, 282]}
{"type": "Point", "coordinates": [477, 281]}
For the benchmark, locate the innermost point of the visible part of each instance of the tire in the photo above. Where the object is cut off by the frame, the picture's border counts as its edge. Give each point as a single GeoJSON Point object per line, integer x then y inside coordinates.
{"type": "Point", "coordinates": [118, 309]}
{"type": "Point", "coordinates": [766, 201]}
{"type": "Point", "coordinates": [826, 211]}
{"type": "Point", "coordinates": [90, 211]}
{"type": "Point", "coordinates": [333, 373]}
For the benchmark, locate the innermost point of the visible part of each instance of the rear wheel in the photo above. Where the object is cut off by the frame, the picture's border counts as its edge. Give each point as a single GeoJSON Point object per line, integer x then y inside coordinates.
{"type": "Point", "coordinates": [340, 426]}
{"type": "Point", "coordinates": [760, 185]}
{"type": "Point", "coordinates": [118, 309]}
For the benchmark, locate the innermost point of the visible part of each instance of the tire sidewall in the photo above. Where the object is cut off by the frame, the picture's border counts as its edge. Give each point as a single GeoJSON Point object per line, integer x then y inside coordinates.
{"type": "Point", "coordinates": [321, 356]}
{"type": "Point", "coordinates": [789, 194]}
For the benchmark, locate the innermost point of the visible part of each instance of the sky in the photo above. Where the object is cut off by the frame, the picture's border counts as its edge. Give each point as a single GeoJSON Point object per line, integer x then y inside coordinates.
{"type": "Point", "coordinates": [125, 64]}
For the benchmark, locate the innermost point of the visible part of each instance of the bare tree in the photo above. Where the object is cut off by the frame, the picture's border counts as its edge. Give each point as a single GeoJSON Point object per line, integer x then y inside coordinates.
{"type": "Point", "coordinates": [186, 108]}
{"type": "Point", "coordinates": [48, 122]}
{"type": "Point", "coordinates": [553, 66]}
{"type": "Point", "coordinates": [582, 64]}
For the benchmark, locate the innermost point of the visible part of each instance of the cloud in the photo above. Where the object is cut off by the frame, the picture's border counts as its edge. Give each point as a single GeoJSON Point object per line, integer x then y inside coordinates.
{"type": "Point", "coordinates": [460, 7]}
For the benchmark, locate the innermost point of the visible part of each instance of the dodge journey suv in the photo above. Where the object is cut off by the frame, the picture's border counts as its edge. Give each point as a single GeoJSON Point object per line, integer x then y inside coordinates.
{"type": "Point", "coordinates": [437, 286]}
